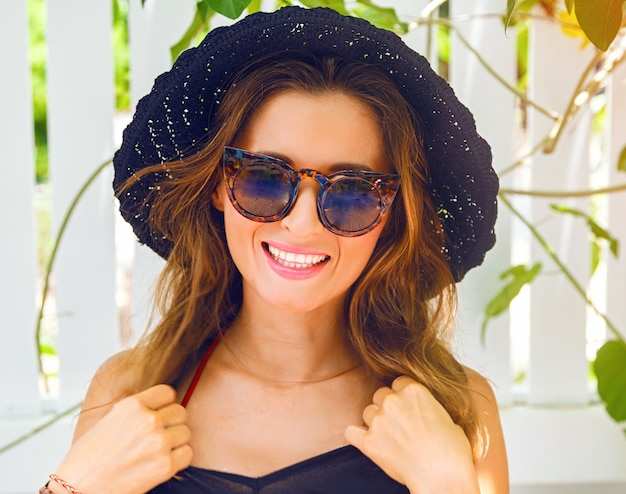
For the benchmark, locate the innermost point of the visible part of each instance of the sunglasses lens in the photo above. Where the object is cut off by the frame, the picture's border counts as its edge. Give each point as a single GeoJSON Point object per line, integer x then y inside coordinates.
{"type": "Point", "coordinates": [262, 190]}
{"type": "Point", "coordinates": [352, 204]}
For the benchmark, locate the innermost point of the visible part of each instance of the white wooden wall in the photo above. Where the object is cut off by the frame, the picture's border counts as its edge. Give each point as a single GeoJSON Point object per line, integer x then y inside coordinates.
{"type": "Point", "coordinates": [554, 433]}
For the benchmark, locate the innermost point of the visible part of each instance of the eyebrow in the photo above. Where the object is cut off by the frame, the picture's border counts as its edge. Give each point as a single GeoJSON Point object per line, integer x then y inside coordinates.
{"type": "Point", "coordinates": [332, 168]}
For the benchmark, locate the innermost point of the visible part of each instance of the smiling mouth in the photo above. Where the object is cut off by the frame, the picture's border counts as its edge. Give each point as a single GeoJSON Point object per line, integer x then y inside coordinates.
{"type": "Point", "coordinates": [293, 260]}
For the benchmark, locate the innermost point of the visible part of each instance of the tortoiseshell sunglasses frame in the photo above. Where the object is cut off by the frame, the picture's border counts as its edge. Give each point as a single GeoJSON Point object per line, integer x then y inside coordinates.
{"type": "Point", "coordinates": [235, 159]}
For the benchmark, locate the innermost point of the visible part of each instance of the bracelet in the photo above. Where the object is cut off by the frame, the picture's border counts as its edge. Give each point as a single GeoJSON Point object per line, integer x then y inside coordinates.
{"type": "Point", "coordinates": [61, 482]}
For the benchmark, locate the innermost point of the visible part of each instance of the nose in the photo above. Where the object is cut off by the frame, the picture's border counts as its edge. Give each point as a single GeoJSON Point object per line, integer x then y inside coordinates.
{"type": "Point", "coordinates": [303, 219]}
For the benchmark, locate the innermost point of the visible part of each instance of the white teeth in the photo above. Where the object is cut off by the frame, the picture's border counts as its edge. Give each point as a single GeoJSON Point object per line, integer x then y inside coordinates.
{"type": "Point", "coordinates": [293, 260]}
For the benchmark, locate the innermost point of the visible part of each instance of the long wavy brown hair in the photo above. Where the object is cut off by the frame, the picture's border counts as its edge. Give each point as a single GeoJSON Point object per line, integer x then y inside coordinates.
{"type": "Point", "coordinates": [400, 309]}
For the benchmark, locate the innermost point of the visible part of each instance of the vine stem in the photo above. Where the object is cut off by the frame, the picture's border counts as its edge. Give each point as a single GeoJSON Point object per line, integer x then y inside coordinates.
{"type": "Point", "coordinates": [53, 254]}
{"type": "Point", "coordinates": [562, 267]}
{"type": "Point", "coordinates": [451, 25]}
{"type": "Point", "coordinates": [38, 429]}
{"type": "Point", "coordinates": [561, 194]}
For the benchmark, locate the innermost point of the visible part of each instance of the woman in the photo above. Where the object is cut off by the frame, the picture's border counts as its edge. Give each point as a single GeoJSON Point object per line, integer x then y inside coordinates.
{"type": "Point", "coordinates": [316, 190]}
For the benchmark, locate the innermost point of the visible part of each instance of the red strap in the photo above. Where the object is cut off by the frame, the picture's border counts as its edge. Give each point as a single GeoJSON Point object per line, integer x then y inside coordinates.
{"type": "Point", "coordinates": [196, 376]}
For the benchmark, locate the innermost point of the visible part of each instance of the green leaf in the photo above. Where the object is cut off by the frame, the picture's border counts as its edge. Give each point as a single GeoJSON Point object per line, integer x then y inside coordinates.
{"type": "Point", "coordinates": [599, 19]}
{"type": "Point", "coordinates": [596, 230]}
{"type": "Point", "coordinates": [200, 23]}
{"type": "Point", "coordinates": [338, 5]}
{"type": "Point", "coordinates": [384, 17]}
{"type": "Point", "coordinates": [510, 9]}
{"type": "Point", "coordinates": [514, 6]}
{"type": "Point", "coordinates": [569, 4]}
{"type": "Point", "coordinates": [254, 6]}
{"type": "Point", "coordinates": [596, 255]}
{"type": "Point", "coordinates": [520, 275]}
{"type": "Point", "coordinates": [621, 161]}
{"type": "Point", "coordinates": [610, 368]}
{"type": "Point", "coordinates": [229, 8]}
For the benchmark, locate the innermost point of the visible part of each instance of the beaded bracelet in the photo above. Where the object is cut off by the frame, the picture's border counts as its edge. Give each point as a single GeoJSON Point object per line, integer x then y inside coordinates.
{"type": "Point", "coordinates": [61, 482]}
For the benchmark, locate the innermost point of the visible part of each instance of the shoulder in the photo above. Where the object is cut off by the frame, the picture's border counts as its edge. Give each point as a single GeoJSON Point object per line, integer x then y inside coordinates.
{"type": "Point", "coordinates": [492, 468]}
{"type": "Point", "coordinates": [482, 392]}
{"type": "Point", "coordinates": [107, 386]}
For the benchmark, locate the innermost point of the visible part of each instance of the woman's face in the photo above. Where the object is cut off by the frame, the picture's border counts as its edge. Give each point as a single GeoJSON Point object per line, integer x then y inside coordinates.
{"type": "Point", "coordinates": [296, 263]}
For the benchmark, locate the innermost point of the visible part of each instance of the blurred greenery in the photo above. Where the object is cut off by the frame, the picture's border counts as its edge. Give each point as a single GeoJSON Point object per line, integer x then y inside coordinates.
{"type": "Point", "coordinates": [37, 25]}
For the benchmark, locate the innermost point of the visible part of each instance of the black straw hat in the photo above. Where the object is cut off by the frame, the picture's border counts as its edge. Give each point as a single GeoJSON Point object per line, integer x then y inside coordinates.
{"type": "Point", "coordinates": [177, 113]}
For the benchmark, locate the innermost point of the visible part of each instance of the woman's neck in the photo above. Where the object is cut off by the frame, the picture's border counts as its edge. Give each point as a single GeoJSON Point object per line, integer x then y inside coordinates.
{"type": "Point", "coordinates": [283, 347]}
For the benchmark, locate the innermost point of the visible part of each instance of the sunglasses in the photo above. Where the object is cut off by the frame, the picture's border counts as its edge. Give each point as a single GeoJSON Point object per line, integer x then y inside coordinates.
{"type": "Point", "coordinates": [349, 203]}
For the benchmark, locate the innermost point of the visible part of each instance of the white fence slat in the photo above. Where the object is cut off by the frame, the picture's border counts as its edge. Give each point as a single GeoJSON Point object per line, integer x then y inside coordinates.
{"type": "Point", "coordinates": [154, 28]}
{"type": "Point", "coordinates": [493, 107]}
{"type": "Point", "coordinates": [80, 106]}
{"type": "Point", "coordinates": [410, 10]}
{"type": "Point", "coordinates": [616, 268]}
{"type": "Point", "coordinates": [558, 369]}
{"type": "Point", "coordinates": [18, 364]}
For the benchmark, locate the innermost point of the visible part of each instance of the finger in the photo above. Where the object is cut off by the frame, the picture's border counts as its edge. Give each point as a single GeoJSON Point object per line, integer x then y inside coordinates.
{"type": "Point", "coordinates": [380, 395]}
{"type": "Point", "coordinates": [173, 414]}
{"type": "Point", "coordinates": [355, 435]}
{"type": "Point", "coordinates": [181, 458]}
{"type": "Point", "coordinates": [402, 382]}
{"type": "Point", "coordinates": [157, 396]}
{"type": "Point", "coordinates": [178, 436]}
{"type": "Point", "coordinates": [369, 413]}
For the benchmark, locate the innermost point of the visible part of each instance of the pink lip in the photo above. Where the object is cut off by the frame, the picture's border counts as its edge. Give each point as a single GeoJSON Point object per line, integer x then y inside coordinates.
{"type": "Point", "coordinates": [293, 273]}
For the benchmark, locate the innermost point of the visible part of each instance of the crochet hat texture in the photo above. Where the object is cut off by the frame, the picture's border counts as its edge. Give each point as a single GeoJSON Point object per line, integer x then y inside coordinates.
{"type": "Point", "coordinates": [176, 115]}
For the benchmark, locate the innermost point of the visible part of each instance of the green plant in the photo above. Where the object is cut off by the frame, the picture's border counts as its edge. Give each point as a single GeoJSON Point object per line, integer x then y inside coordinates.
{"type": "Point", "coordinates": [600, 22]}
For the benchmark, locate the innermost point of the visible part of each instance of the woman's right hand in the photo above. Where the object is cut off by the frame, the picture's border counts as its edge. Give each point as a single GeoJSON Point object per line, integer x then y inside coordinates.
{"type": "Point", "coordinates": [140, 443]}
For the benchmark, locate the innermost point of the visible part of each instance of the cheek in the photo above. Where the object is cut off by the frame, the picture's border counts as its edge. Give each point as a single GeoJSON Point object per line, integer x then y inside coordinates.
{"type": "Point", "coordinates": [240, 234]}
{"type": "Point", "coordinates": [359, 250]}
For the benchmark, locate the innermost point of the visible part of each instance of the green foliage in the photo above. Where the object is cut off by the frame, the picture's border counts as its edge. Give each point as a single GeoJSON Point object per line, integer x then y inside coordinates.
{"type": "Point", "coordinates": [597, 232]}
{"type": "Point", "coordinates": [230, 8]}
{"type": "Point", "coordinates": [379, 16]}
{"type": "Point", "coordinates": [621, 162]}
{"type": "Point", "coordinates": [199, 26]}
{"type": "Point", "coordinates": [338, 5]}
{"type": "Point", "coordinates": [600, 20]}
{"type": "Point", "coordinates": [519, 277]}
{"type": "Point", "coordinates": [385, 17]}
{"type": "Point", "coordinates": [121, 54]}
{"type": "Point", "coordinates": [37, 22]}
{"type": "Point", "coordinates": [610, 369]}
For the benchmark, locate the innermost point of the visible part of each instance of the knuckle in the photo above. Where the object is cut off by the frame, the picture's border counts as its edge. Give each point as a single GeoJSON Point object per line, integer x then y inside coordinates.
{"type": "Point", "coordinates": [391, 403]}
{"type": "Point", "coordinates": [152, 421]}
{"type": "Point", "coordinates": [179, 413]}
{"type": "Point", "coordinates": [158, 443]}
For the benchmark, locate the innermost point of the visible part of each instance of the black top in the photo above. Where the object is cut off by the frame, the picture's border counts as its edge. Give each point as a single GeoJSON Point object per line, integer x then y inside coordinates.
{"type": "Point", "coordinates": [342, 471]}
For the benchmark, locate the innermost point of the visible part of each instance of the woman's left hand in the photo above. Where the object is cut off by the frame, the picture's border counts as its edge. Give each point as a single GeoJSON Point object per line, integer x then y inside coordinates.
{"type": "Point", "coordinates": [409, 434]}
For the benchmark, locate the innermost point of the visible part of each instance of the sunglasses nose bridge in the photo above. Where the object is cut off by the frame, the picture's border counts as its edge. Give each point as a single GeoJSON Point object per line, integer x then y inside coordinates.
{"type": "Point", "coordinates": [320, 178]}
